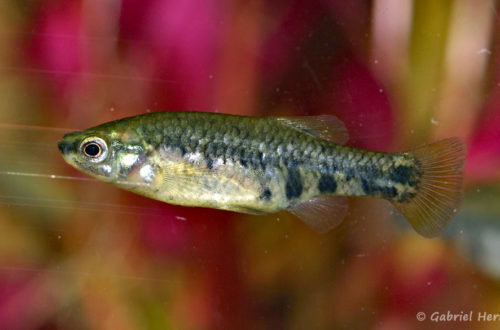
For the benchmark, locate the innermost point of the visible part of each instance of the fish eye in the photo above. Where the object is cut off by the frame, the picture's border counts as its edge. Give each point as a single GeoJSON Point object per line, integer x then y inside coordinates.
{"type": "Point", "coordinates": [94, 149]}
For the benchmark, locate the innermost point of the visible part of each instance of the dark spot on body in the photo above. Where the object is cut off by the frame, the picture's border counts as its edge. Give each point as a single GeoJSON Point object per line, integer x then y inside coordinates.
{"type": "Point", "coordinates": [211, 152]}
{"type": "Point", "coordinates": [266, 195]}
{"type": "Point", "coordinates": [371, 172]}
{"type": "Point", "coordinates": [368, 175]}
{"type": "Point", "coordinates": [367, 187]}
{"type": "Point", "coordinates": [327, 184]}
{"type": "Point", "coordinates": [217, 150]}
{"type": "Point", "coordinates": [370, 188]}
{"type": "Point", "coordinates": [260, 157]}
{"type": "Point", "coordinates": [402, 174]}
{"type": "Point", "coordinates": [209, 162]}
{"type": "Point", "coordinates": [349, 174]}
{"type": "Point", "coordinates": [243, 162]}
{"type": "Point", "coordinates": [183, 150]}
{"type": "Point", "coordinates": [293, 187]}
{"type": "Point", "coordinates": [254, 159]}
{"type": "Point", "coordinates": [389, 192]}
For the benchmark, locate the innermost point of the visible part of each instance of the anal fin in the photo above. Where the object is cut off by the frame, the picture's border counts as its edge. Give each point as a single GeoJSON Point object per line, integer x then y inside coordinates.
{"type": "Point", "coordinates": [322, 213]}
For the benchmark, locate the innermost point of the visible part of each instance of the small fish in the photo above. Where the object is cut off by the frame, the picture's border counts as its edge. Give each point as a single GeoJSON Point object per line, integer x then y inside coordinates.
{"type": "Point", "coordinates": [267, 164]}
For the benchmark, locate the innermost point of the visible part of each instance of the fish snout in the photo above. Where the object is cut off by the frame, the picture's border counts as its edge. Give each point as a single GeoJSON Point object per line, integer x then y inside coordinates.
{"type": "Point", "coordinates": [64, 147]}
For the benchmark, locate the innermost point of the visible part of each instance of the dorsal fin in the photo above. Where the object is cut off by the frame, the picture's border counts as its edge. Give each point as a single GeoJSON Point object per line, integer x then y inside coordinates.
{"type": "Point", "coordinates": [325, 127]}
{"type": "Point", "coordinates": [322, 213]}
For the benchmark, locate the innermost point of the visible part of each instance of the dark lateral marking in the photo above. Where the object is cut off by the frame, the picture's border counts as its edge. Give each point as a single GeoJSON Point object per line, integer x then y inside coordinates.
{"type": "Point", "coordinates": [293, 188]}
{"type": "Point", "coordinates": [209, 162]}
{"type": "Point", "coordinates": [183, 150]}
{"type": "Point", "coordinates": [266, 195]}
{"type": "Point", "coordinates": [371, 172]}
{"type": "Point", "coordinates": [367, 187]}
{"type": "Point", "coordinates": [349, 174]}
{"type": "Point", "coordinates": [327, 184]}
{"type": "Point", "coordinates": [402, 174]}
{"type": "Point", "coordinates": [372, 189]}
{"type": "Point", "coordinates": [255, 160]}
{"type": "Point", "coordinates": [390, 192]}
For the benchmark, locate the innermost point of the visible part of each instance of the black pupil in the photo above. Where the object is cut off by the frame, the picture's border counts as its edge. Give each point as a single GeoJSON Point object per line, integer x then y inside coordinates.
{"type": "Point", "coordinates": [92, 149]}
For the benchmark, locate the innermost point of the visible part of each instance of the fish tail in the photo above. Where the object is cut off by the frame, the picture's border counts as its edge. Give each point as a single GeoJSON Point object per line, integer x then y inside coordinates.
{"type": "Point", "coordinates": [440, 188]}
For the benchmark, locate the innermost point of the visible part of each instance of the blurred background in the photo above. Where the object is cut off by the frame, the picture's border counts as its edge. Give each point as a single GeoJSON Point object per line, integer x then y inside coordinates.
{"type": "Point", "coordinates": [76, 253]}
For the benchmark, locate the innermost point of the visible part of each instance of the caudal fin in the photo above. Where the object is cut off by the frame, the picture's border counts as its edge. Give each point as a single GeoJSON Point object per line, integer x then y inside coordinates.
{"type": "Point", "coordinates": [440, 191]}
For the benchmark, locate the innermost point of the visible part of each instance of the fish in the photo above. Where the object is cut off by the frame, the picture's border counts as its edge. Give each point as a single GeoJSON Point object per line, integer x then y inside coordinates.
{"type": "Point", "coordinates": [262, 165]}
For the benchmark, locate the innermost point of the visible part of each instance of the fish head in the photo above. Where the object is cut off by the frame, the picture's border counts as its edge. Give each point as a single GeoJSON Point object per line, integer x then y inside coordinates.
{"type": "Point", "coordinates": [100, 154]}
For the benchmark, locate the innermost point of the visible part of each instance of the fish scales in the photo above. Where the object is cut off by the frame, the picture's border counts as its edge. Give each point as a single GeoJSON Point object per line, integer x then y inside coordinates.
{"type": "Point", "coordinates": [257, 143]}
{"type": "Point", "coordinates": [250, 164]}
